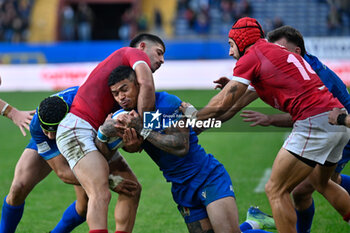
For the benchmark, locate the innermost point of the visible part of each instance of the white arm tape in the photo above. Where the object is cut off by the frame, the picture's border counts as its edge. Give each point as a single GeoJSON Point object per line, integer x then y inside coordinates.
{"type": "Point", "coordinates": [4, 109]}
{"type": "Point", "coordinates": [145, 132]}
{"type": "Point", "coordinates": [114, 181]}
{"type": "Point", "coordinates": [191, 112]}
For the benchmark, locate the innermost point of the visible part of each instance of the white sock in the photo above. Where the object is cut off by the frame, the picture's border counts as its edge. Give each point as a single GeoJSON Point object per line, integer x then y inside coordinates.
{"type": "Point", "coordinates": [253, 224]}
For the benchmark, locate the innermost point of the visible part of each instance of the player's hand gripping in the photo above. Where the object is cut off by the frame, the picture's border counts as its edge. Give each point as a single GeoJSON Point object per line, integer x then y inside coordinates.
{"type": "Point", "coordinates": [132, 142]}
{"type": "Point", "coordinates": [221, 82]}
{"type": "Point", "coordinates": [126, 187]}
{"type": "Point", "coordinates": [333, 116]}
{"type": "Point", "coordinates": [112, 127]}
{"type": "Point", "coordinates": [132, 120]}
{"type": "Point", "coordinates": [21, 119]}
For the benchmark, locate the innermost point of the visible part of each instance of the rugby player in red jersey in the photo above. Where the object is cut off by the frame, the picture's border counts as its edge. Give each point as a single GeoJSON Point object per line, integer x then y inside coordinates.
{"type": "Point", "coordinates": [91, 105]}
{"type": "Point", "coordinates": [285, 81]}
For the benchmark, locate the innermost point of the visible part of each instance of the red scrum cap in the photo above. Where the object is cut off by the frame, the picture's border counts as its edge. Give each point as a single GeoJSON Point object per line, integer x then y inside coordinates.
{"type": "Point", "coordinates": [245, 32]}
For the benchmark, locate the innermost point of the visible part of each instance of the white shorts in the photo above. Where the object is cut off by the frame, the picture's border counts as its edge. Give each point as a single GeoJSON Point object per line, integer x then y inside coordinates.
{"type": "Point", "coordinates": [317, 140]}
{"type": "Point", "coordinates": [75, 138]}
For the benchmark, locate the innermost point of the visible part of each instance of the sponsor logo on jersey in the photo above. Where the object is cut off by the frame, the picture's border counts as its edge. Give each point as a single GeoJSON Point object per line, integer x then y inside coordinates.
{"type": "Point", "coordinates": [185, 211]}
{"type": "Point", "coordinates": [43, 147]}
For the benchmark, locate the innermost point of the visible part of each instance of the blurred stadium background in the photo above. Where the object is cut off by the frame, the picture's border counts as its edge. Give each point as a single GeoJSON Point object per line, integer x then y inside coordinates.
{"type": "Point", "coordinates": [56, 43]}
{"type": "Point", "coordinates": [48, 45]}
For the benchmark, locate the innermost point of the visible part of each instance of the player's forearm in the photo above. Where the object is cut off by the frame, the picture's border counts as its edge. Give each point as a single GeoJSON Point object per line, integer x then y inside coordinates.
{"type": "Point", "coordinates": [247, 98]}
{"type": "Point", "coordinates": [281, 120]}
{"type": "Point", "coordinates": [223, 101]}
{"type": "Point", "coordinates": [146, 99]}
{"type": "Point", "coordinates": [176, 144]}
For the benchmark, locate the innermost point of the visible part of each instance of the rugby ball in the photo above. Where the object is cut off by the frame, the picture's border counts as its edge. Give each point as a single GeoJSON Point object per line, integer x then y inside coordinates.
{"type": "Point", "coordinates": [116, 142]}
{"type": "Point", "coordinates": [118, 113]}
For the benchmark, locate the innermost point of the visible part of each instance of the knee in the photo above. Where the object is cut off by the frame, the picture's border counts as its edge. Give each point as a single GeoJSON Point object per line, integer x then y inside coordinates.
{"type": "Point", "coordinates": [18, 193]}
{"type": "Point", "coordinates": [269, 188]}
{"type": "Point", "coordinates": [302, 193]}
{"type": "Point", "coordinates": [102, 195]}
{"type": "Point", "coordinates": [272, 190]}
{"type": "Point", "coordinates": [299, 196]}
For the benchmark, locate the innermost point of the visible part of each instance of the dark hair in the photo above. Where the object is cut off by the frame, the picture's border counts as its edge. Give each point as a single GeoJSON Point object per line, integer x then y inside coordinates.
{"type": "Point", "coordinates": [120, 73]}
{"type": "Point", "coordinates": [146, 37]}
{"type": "Point", "coordinates": [291, 34]}
{"type": "Point", "coordinates": [51, 112]}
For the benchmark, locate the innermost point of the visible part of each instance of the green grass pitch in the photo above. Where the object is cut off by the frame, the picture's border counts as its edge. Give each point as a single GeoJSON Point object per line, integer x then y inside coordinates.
{"type": "Point", "coordinates": [245, 152]}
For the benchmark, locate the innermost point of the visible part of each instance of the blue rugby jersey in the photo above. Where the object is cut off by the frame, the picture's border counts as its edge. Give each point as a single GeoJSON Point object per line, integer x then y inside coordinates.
{"type": "Point", "coordinates": [334, 84]}
{"type": "Point", "coordinates": [189, 171]}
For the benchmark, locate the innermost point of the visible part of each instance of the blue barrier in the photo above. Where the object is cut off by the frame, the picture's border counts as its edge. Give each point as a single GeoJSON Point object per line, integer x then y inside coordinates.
{"type": "Point", "coordinates": [98, 50]}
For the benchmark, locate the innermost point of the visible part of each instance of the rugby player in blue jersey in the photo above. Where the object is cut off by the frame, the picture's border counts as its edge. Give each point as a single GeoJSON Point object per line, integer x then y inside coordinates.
{"type": "Point", "coordinates": [41, 156]}
{"type": "Point", "coordinates": [201, 186]}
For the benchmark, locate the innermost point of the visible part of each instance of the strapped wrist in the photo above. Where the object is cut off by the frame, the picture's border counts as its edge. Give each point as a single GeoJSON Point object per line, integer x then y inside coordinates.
{"type": "Point", "coordinates": [341, 119]}
{"type": "Point", "coordinates": [191, 112]}
{"type": "Point", "coordinates": [145, 133]}
{"type": "Point", "coordinates": [101, 136]}
{"type": "Point", "coordinates": [114, 143]}
{"type": "Point", "coordinates": [5, 110]}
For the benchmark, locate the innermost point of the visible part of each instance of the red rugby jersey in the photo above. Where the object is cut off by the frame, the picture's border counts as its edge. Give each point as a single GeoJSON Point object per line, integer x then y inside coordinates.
{"type": "Point", "coordinates": [284, 80]}
{"type": "Point", "coordinates": [94, 100]}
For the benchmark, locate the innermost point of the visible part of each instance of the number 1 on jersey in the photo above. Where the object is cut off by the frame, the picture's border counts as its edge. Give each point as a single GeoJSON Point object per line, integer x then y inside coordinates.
{"type": "Point", "coordinates": [295, 61]}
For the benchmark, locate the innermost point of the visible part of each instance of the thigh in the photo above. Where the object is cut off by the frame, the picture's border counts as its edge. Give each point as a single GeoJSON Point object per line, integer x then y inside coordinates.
{"type": "Point", "coordinates": [321, 175]}
{"type": "Point", "coordinates": [287, 172]}
{"type": "Point", "coordinates": [92, 172]}
{"type": "Point", "coordinates": [223, 215]}
{"type": "Point", "coordinates": [31, 168]}
{"type": "Point", "coordinates": [75, 138]}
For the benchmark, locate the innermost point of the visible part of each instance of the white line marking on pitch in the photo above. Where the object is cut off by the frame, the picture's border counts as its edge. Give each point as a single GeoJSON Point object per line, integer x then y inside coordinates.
{"type": "Point", "coordinates": [261, 186]}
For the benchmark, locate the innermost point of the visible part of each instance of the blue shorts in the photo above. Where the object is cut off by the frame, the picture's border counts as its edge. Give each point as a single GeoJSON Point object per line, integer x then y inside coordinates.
{"type": "Point", "coordinates": [49, 148]}
{"type": "Point", "coordinates": [218, 185]}
{"type": "Point", "coordinates": [32, 145]}
{"type": "Point", "coordinates": [344, 159]}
